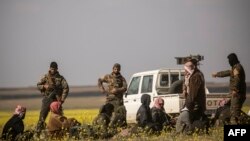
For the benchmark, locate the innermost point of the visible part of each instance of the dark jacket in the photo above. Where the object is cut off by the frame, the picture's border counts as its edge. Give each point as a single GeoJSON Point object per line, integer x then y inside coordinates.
{"type": "Point", "coordinates": [160, 117]}
{"type": "Point", "coordinates": [143, 115]}
{"type": "Point", "coordinates": [13, 127]}
{"type": "Point", "coordinates": [102, 121]}
{"type": "Point", "coordinates": [196, 98]}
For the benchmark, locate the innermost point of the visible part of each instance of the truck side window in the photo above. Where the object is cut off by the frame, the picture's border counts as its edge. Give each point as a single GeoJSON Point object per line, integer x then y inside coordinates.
{"type": "Point", "coordinates": [164, 80]}
{"type": "Point", "coordinates": [134, 85]}
{"type": "Point", "coordinates": [147, 84]}
{"type": "Point", "coordinates": [174, 77]}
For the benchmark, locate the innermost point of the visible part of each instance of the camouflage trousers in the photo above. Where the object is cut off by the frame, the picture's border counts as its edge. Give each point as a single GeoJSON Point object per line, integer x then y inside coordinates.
{"type": "Point", "coordinates": [235, 108]}
{"type": "Point", "coordinates": [118, 118]}
{"type": "Point", "coordinates": [45, 108]}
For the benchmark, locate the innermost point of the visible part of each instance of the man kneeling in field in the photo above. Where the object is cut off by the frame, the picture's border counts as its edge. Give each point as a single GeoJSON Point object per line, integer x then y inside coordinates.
{"type": "Point", "coordinates": [59, 124]}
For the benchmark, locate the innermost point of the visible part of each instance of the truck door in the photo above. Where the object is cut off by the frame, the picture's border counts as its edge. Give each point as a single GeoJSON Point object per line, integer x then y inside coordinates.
{"type": "Point", "coordinates": [132, 98]}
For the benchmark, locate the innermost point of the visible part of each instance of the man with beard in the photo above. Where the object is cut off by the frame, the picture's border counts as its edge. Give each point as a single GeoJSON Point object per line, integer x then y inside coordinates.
{"type": "Point", "coordinates": [53, 87]}
{"type": "Point", "coordinates": [159, 116]}
{"type": "Point", "coordinates": [195, 97]}
{"type": "Point", "coordinates": [117, 85]}
{"type": "Point", "coordinates": [237, 86]}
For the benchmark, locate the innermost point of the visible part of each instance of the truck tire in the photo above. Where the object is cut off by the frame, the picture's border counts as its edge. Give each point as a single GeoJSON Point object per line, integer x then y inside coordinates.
{"type": "Point", "coordinates": [176, 87]}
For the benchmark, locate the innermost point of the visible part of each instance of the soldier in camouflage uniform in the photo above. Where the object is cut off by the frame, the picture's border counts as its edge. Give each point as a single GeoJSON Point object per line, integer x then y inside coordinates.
{"type": "Point", "coordinates": [53, 87]}
{"type": "Point", "coordinates": [117, 85]}
{"type": "Point", "coordinates": [237, 86]}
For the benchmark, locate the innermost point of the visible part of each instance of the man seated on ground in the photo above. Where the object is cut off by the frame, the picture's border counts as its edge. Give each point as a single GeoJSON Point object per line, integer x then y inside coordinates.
{"type": "Point", "coordinates": [159, 116]}
{"type": "Point", "coordinates": [14, 125]}
{"type": "Point", "coordinates": [143, 115]}
{"type": "Point", "coordinates": [100, 126]}
{"type": "Point", "coordinates": [223, 114]}
{"type": "Point", "coordinates": [102, 121]}
{"type": "Point", "coordinates": [143, 119]}
{"type": "Point", "coordinates": [118, 119]}
{"type": "Point", "coordinates": [59, 124]}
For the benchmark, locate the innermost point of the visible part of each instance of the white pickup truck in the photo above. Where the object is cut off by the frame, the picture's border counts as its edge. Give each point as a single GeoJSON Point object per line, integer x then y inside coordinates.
{"type": "Point", "coordinates": [166, 83]}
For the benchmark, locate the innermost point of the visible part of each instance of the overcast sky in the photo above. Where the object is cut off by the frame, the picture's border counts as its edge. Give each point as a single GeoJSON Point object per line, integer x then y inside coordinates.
{"type": "Point", "coordinates": [86, 37]}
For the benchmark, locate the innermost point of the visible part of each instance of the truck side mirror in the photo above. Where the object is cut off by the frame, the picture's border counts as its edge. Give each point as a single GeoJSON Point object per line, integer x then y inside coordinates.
{"type": "Point", "coordinates": [126, 93]}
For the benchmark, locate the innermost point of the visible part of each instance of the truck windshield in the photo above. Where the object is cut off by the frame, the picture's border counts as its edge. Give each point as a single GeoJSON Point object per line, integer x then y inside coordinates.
{"type": "Point", "coordinates": [134, 86]}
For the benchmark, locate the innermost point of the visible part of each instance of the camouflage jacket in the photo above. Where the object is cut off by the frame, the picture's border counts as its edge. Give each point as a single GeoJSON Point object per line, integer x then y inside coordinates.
{"type": "Point", "coordinates": [57, 83]}
{"type": "Point", "coordinates": [115, 82]}
{"type": "Point", "coordinates": [237, 79]}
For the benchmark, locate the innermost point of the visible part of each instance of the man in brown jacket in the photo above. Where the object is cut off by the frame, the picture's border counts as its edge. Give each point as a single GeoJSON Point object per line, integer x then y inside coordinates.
{"type": "Point", "coordinates": [59, 124]}
{"type": "Point", "coordinates": [195, 97]}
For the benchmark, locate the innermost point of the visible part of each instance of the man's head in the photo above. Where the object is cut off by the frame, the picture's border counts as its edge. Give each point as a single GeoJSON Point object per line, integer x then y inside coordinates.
{"type": "Point", "coordinates": [146, 99]}
{"type": "Point", "coordinates": [190, 65]}
{"type": "Point", "coordinates": [53, 68]}
{"type": "Point", "coordinates": [116, 68]}
{"type": "Point", "coordinates": [233, 59]}
{"type": "Point", "coordinates": [20, 111]}
{"type": "Point", "coordinates": [159, 103]}
{"type": "Point", "coordinates": [56, 107]}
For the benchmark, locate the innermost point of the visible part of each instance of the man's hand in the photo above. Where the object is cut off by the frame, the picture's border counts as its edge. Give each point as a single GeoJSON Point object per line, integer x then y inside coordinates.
{"type": "Point", "coordinates": [214, 75]}
{"type": "Point", "coordinates": [234, 93]}
{"type": "Point", "coordinates": [184, 93]}
{"type": "Point", "coordinates": [46, 86]}
{"type": "Point", "coordinates": [113, 91]}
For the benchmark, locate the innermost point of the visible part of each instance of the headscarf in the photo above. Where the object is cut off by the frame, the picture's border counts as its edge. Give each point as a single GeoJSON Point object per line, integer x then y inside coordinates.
{"type": "Point", "coordinates": [157, 103]}
{"type": "Point", "coordinates": [55, 107]}
{"type": "Point", "coordinates": [189, 72]}
{"type": "Point", "coordinates": [145, 99]}
{"type": "Point", "coordinates": [20, 111]}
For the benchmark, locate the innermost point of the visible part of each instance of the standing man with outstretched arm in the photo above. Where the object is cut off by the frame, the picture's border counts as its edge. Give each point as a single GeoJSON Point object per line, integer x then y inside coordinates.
{"type": "Point", "coordinates": [237, 86]}
{"type": "Point", "coordinates": [117, 86]}
{"type": "Point", "coordinates": [53, 87]}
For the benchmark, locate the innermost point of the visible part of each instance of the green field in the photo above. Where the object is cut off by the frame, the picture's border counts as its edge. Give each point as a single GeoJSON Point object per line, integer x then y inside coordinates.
{"type": "Point", "coordinates": [86, 116]}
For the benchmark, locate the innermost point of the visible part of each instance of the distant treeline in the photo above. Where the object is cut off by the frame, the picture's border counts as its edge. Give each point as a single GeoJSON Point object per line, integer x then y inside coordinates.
{"type": "Point", "coordinates": [223, 89]}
